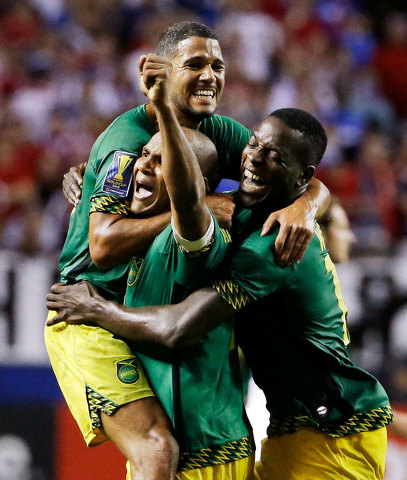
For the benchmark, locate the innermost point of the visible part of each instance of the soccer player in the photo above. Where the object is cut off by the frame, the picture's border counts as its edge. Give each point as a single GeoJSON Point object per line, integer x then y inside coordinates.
{"type": "Point", "coordinates": [327, 416]}
{"type": "Point", "coordinates": [166, 174]}
{"type": "Point", "coordinates": [103, 236]}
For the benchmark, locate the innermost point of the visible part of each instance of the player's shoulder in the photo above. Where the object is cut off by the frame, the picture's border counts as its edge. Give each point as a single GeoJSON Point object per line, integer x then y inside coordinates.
{"type": "Point", "coordinates": [133, 123]}
{"type": "Point", "coordinates": [221, 121]}
{"type": "Point", "coordinates": [260, 247]}
{"type": "Point", "coordinates": [128, 133]}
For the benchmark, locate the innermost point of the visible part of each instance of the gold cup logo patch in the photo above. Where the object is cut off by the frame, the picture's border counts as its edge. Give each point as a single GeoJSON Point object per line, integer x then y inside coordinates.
{"type": "Point", "coordinates": [123, 162]}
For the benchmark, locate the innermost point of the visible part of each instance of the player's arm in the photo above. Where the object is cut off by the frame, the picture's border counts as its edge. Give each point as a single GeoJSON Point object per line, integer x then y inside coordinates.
{"type": "Point", "coordinates": [114, 239]}
{"type": "Point", "coordinates": [180, 168]}
{"type": "Point", "coordinates": [297, 222]}
{"type": "Point", "coordinates": [251, 274]}
{"type": "Point", "coordinates": [173, 326]}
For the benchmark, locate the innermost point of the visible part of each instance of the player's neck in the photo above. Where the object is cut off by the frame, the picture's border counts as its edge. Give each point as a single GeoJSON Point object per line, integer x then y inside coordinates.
{"type": "Point", "coordinates": [184, 120]}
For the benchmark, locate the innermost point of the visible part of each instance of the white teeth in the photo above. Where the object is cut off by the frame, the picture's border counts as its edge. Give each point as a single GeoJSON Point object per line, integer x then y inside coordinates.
{"type": "Point", "coordinates": [204, 93]}
{"type": "Point", "coordinates": [250, 186]}
{"type": "Point", "coordinates": [251, 175]}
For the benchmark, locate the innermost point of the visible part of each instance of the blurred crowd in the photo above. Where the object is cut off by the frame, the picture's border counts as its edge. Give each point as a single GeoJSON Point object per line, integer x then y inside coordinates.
{"type": "Point", "coordinates": [68, 67]}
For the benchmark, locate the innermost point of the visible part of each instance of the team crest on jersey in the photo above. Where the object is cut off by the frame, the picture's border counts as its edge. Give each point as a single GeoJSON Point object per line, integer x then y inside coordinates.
{"type": "Point", "coordinates": [120, 174]}
{"type": "Point", "coordinates": [127, 370]}
{"type": "Point", "coordinates": [134, 270]}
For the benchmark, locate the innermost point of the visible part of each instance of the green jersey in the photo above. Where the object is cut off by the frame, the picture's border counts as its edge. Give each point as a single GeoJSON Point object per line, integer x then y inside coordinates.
{"type": "Point", "coordinates": [107, 188]}
{"type": "Point", "coordinates": [200, 387]}
{"type": "Point", "coordinates": [296, 340]}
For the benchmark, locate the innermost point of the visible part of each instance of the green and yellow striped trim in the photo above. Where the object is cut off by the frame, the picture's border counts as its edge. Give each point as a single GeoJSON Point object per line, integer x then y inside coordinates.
{"type": "Point", "coordinates": [110, 204]}
{"type": "Point", "coordinates": [216, 455]}
{"type": "Point", "coordinates": [358, 423]}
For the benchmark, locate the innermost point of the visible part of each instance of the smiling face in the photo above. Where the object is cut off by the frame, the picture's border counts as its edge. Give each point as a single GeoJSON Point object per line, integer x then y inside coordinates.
{"type": "Point", "coordinates": [150, 195]}
{"type": "Point", "coordinates": [272, 165]}
{"type": "Point", "coordinates": [197, 79]}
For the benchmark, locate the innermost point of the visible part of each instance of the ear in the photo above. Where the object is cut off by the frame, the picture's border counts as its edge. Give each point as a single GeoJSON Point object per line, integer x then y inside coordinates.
{"type": "Point", "coordinates": [307, 174]}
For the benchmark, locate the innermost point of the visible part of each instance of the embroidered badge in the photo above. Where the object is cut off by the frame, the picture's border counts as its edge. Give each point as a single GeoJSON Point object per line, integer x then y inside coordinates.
{"type": "Point", "coordinates": [134, 270]}
{"type": "Point", "coordinates": [120, 174]}
{"type": "Point", "coordinates": [127, 371]}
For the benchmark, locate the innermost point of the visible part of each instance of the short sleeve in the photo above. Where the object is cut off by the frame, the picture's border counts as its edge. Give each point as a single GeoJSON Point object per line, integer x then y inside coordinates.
{"type": "Point", "coordinates": [251, 273]}
{"type": "Point", "coordinates": [114, 179]}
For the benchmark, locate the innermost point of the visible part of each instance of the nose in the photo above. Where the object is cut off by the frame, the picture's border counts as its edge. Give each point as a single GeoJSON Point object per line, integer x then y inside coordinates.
{"type": "Point", "coordinates": [144, 164]}
{"type": "Point", "coordinates": [207, 74]}
{"type": "Point", "coordinates": [254, 157]}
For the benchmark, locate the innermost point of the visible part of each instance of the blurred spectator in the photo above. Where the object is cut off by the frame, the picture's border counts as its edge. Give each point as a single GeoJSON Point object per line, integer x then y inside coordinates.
{"type": "Point", "coordinates": [336, 230]}
{"type": "Point", "coordinates": [243, 48]}
{"type": "Point", "coordinates": [390, 61]}
{"type": "Point", "coordinates": [67, 67]}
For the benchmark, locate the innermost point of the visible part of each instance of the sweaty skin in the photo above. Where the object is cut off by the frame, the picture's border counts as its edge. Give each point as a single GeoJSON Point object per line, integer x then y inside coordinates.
{"type": "Point", "coordinates": [196, 69]}
{"type": "Point", "coordinates": [271, 176]}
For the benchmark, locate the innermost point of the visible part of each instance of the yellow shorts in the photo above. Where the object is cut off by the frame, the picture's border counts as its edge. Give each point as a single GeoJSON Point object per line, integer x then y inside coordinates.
{"type": "Point", "coordinates": [96, 372]}
{"type": "Point", "coordinates": [310, 455]}
{"type": "Point", "coordinates": [238, 470]}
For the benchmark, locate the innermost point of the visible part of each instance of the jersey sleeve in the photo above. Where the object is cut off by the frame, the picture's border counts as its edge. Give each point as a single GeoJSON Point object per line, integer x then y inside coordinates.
{"type": "Point", "coordinates": [114, 178]}
{"type": "Point", "coordinates": [251, 272]}
{"type": "Point", "coordinates": [195, 266]}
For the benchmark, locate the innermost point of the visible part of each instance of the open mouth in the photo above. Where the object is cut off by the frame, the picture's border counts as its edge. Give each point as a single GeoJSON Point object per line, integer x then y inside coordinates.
{"type": "Point", "coordinates": [251, 181]}
{"type": "Point", "coordinates": [142, 190]}
{"type": "Point", "coordinates": [204, 94]}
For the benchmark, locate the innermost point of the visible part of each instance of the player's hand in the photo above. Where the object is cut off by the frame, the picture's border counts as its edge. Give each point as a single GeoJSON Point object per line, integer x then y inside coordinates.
{"type": "Point", "coordinates": [223, 207]}
{"type": "Point", "coordinates": [154, 78]}
{"type": "Point", "coordinates": [74, 303]}
{"type": "Point", "coordinates": [297, 222]}
{"type": "Point", "coordinates": [72, 183]}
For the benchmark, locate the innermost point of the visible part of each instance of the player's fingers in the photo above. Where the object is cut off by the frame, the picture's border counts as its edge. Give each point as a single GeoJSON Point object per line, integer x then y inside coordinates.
{"type": "Point", "coordinates": [282, 244]}
{"type": "Point", "coordinates": [57, 287]}
{"type": "Point", "coordinates": [300, 245]}
{"type": "Point", "coordinates": [141, 63]}
{"type": "Point", "coordinates": [151, 75]}
{"type": "Point", "coordinates": [56, 319]}
{"type": "Point", "coordinates": [268, 225]}
{"type": "Point", "coordinates": [81, 170]}
{"type": "Point", "coordinates": [72, 184]}
{"type": "Point", "coordinates": [92, 289]}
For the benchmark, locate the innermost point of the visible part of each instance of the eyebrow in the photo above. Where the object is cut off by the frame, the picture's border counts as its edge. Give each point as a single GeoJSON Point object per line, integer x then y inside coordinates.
{"type": "Point", "coordinates": [202, 57]}
{"type": "Point", "coordinates": [272, 148]}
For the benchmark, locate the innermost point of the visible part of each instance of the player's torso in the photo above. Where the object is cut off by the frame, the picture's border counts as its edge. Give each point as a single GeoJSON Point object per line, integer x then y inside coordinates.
{"type": "Point", "coordinates": [209, 370]}
{"type": "Point", "coordinates": [296, 344]}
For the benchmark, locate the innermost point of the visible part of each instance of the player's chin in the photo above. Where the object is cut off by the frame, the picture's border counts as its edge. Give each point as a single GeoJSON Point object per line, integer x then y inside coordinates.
{"type": "Point", "coordinates": [203, 110]}
{"type": "Point", "coordinates": [141, 208]}
{"type": "Point", "coordinates": [249, 198]}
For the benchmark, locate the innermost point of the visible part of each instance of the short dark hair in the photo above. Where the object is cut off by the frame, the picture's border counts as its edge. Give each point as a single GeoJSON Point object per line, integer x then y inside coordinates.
{"type": "Point", "coordinates": [308, 125]}
{"type": "Point", "coordinates": [170, 38]}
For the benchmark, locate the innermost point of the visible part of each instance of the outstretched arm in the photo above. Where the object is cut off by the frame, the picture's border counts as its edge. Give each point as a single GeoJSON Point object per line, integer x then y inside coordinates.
{"type": "Point", "coordinates": [297, 222]}
{"type": "Point", "coordinates": [173, 326]}
{"type": "Point", "coordinates": [180, 168]}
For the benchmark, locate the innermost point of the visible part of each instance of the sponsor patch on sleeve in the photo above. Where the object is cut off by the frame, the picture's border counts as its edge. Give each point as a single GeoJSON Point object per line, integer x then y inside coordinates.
{"type": "Point", "coordinates": [120, 174]}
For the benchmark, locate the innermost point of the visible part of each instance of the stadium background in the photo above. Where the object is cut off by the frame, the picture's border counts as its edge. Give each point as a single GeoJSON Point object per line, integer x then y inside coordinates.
{"type": "Point", "coordinates": [67, 67]}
